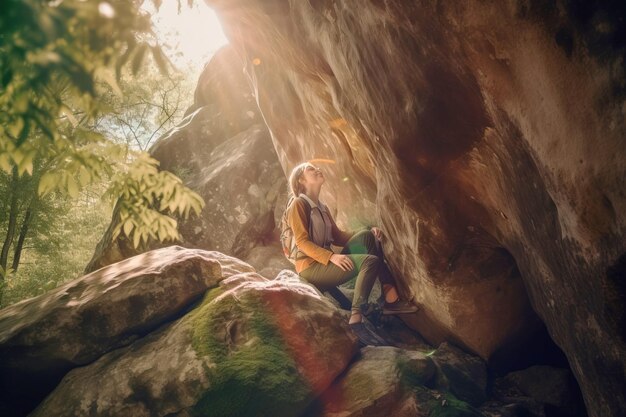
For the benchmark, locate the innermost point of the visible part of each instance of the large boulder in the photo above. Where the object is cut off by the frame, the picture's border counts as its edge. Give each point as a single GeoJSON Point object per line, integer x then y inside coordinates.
{"type": "Point", "coordinates": [378, 384]}
{"type": "Point", "coordinates": [44, 337]}
{"type": "Point", "coordinates": [486, 138]}
{"type": "Point", "coordinates": [223, 151]}
{"type": "Point", "coordinates": [387, 381]}
{"type": "Point", "coordinates": [252, 347]}
{"type": "Point", "coordinates": [553, 388]}
{"type": "Point", "coordinates": [538, 391]}
{"type": "Point", "coordinates": [460, 373]}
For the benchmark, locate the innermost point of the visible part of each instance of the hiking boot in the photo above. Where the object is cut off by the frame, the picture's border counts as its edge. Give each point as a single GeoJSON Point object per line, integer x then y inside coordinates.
{"type": "Point", "coordinates": [399, 307]}
{"type": "Point", "coordinates": [368, 308]}
{"type": "Point", "coordinates": [366, 337]}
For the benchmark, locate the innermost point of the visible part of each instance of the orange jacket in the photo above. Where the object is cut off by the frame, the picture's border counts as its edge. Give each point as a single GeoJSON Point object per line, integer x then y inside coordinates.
{"type": "Point", "coordinates": [297, 218]}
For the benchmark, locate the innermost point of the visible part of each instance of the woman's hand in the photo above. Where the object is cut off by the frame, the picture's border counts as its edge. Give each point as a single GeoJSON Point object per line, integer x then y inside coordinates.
{"type": "Point", "coordinates": [342, 261]}
{"type": "Point", "coordinates": [378, 234]}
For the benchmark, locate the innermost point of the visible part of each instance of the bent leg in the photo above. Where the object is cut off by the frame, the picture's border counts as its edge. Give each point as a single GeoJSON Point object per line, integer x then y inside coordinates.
{"type": "Point", "coordinates": [364, 241]}
{"type": "Point", "coordinates": [327, 276]}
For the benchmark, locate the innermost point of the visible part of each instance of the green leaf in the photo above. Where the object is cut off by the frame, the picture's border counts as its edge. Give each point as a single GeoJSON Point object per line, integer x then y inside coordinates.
{"type": "Point", "coordinates": [47, 183]}
{"type": "Point", "coordinates": [136, 238]}
{"type": "Point", "coordinates": [84, 176]}
{"type": "Point", "coordinates": [128, 227]}
{"type": "Point", "coordinates": [72, 187]}
{"type": "Point", "coordinates": [124, 58]}
{"type": "Point", "coordinates": [26, 163]}
{"type": "Point", "coordinates": [5, 162]}
{"type": "Point", "coordinates": [15, 128]}
{"type": "Point", "coordinates": [23, 134]}
{"type": "Point", "coordinates": [109, 78]}
{"type": "Point", "coordinates": [116, 232]}
{"type": "Point", "coordinates": [20, 104]}
{"type": "Point", "coordinates": [138, 58]}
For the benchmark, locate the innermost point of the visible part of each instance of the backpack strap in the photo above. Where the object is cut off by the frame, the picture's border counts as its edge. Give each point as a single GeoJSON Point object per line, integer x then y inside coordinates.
{"type": "Point", "coordinates": [307, 208]}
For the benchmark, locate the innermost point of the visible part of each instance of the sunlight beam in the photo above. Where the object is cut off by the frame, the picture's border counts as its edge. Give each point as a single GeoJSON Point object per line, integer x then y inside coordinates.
{"type": "Point", "coordinates": [190, 38]}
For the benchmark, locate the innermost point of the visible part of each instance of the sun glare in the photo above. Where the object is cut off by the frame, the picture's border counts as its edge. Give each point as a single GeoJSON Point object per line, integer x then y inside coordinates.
{"type": "Point", "coordinates": [189, 38]}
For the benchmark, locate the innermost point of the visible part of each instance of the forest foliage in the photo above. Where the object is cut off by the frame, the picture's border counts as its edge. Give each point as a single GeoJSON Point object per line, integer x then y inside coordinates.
{"type": "Point", "coordinates": [74, 127]}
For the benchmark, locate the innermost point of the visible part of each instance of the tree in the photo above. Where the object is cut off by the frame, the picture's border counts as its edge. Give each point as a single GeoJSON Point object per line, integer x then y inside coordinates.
{"type": "Point", "coordinates": [18, 210]}
{"type": "Point", "coordinates": [62, 233]}
{"type": "Point", "coordinates": [146, 109]}
{"type": "Point", "coordinates": [53, 57]}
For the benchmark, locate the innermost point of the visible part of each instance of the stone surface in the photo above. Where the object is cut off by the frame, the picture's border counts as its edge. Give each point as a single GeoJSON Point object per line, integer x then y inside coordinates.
{"type": "Point", "coordinates": [387, 381]}
{"type": "Point", "coordinates": [517, 407]}
{"type": "Point", "coordinates": [257, 348]}
{"type": "Point", "coordinates": [460, 373]}
{"type": "Point", "coordinates": [434, 403]}
{"type": "Point", "coordinates": [378, 384]}
{"type": "Point", "coordinates": [538, 391]}
{"type": "Point", "coordinates": [223, 151]}
{"type": "Point", "coordinates": [485, 138]}
{"type": "Point", "coordinates": [44, 337]}
{"type": "Point", "coordinates": [552, 387]}
{"type": "Point", "coordinates": [269, 259]}
{"type": "Point", "coordinates": [543, 383]}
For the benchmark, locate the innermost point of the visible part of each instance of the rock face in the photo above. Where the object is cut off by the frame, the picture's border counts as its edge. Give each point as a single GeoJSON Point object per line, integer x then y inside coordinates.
{"type": "Point", "coordinates": [547, 385]}
{"type": "Point", "coordinates": [463, 375]}
{"type": "Point", "coordinates": [222, 150]}
{"type": "Point", "coordinates": [538, 391]}
{"type": "Point", "coordinates": [485, 138]}
{"type": "Point", "coordinates": [387, 381]}
{"type": "Point", "coordinates": [258, 347]}
{"type": "Point", "coordinates": [372, 386]}
{"type": "Point", "coordinates": [44, 337]}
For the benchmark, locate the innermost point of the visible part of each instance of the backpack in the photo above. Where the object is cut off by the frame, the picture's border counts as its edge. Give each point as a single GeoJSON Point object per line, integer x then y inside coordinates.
{"type": "Point", "coordinates": [287, 240]}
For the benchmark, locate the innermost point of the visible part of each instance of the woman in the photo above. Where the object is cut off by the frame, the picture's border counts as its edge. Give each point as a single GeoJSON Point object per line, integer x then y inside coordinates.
{"type": "Point", "coordinates": [361, 256]}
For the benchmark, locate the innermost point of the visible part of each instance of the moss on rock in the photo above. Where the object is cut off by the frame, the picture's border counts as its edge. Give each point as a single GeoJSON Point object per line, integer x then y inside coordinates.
{"type": "Point", "coordinates": [415, 371]}
{"type": "Point", "coordinates": [451, 407]}
{"type": "Point", "coordinates": [254, 373]}
{"type": "Point", "coordinates": [436, 404]}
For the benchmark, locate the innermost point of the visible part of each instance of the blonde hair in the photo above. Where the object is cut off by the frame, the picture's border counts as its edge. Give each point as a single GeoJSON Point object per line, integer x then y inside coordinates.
{"type": "Point", "coordinates": [295, 187]}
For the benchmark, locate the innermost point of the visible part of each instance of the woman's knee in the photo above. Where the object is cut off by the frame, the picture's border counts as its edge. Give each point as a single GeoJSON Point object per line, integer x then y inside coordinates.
{"type": "Point", "coordinates": [365, 234]}
{"type": "Point", "coordinates": [363, 241]}
{"type": "Point", "coordinates": [371, 260]}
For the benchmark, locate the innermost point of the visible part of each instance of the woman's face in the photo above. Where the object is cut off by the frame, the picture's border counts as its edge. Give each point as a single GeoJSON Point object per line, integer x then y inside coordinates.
{"type": "Point", "coordinates": [312, 176]}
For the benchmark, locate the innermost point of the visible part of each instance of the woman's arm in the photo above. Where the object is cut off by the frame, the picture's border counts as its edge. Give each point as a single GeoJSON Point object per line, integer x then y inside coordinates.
{"type": "Point", "coordinates": [297, 219]}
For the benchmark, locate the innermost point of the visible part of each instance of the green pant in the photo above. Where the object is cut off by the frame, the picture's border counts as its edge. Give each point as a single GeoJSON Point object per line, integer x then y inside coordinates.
{"type": "Point", "coordinates": [367, 256]}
